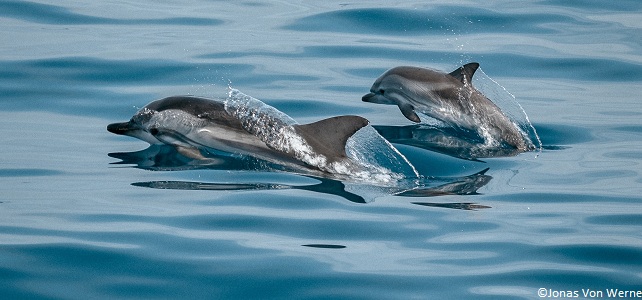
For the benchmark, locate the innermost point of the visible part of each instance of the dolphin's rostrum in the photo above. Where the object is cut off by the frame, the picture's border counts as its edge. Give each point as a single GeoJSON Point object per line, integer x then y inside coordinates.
{"type": "Point", "coordinates": [450, 98]}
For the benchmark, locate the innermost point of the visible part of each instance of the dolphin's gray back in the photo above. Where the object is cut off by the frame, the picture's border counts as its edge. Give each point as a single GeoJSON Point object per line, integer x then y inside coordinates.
{"type": "Point", "coordinates": [190, 104]}
{"type": "Point", "coordinates": [212, 110]}
{"type": "Point", "coordinates": [418, 74]}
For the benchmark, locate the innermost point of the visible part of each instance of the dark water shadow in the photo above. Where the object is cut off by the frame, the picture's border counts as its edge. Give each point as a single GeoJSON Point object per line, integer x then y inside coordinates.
{"type": "Point", "coordinates": [326, 186]}
{"type": "Point", "coordinates": [167, 158]}
{"type": "Point", "coordinates": [463, 206]}
{"type": "Point", "coordinates": [325, 246]}
{"type": "Point", "coordinates": [558, 136]}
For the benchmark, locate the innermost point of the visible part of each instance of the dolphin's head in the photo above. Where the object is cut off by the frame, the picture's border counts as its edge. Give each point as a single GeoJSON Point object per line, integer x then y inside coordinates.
{"type": "Point", "coordinates": [164, 120]}
{"type": "Point", "coordinates": [136, 127]}
{"type": "Point", "coordinates": [386, 89]}
{"type": "Point", "coordinates": [405, 87]}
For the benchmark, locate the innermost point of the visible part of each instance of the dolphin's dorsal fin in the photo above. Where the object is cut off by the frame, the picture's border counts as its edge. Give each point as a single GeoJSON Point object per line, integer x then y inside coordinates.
{"type": "Point", "coordinates": [329, 136]}
{"type": "Point", "coordinates": [465, 72]}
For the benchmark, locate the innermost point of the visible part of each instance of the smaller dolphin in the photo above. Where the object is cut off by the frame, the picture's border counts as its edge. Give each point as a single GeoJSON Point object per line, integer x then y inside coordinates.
{"type": "Point", "coordinates": [191, 123]}
{"type": "Point", "coordinates": [450, 98]}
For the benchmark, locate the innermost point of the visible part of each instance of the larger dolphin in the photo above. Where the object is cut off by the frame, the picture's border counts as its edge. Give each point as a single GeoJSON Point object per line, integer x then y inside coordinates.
{"type": "Point", "coordinates": [449, 97]}
{"type": "Point", "coordinates": [192, 123]}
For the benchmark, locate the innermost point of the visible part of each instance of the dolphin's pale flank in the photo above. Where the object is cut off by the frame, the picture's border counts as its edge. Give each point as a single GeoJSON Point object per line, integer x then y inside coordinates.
{"type": "Point", "coordinates": [448, 97]}
{"type": "Point", "coordinates": [192, 123]}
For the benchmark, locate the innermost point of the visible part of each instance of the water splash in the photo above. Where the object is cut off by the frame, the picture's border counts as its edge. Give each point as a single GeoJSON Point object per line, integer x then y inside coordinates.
{"type": "Point", "coordinates": [509, 105]}
{"type": "Point", "coordinates": [369, 147]}
{"type": "Point", "coordinates": [370, 157]}
{"type": "Point", "coordinates": [274, 128]}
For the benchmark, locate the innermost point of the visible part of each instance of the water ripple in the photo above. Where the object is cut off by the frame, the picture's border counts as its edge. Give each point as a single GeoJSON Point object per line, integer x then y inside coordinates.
{"type": "Point", "coordinates": [59, 15]}
{"type": "Point", "coordinates": [396, 21]}
{"type": "Point", "coordinates": [23, 172]}
{"type": "Point", "coordinates": [529, 66]}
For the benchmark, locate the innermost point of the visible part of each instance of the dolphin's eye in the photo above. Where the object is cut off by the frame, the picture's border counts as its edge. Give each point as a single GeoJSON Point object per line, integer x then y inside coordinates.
{"type": "Point", "coordinates": [381, 91]}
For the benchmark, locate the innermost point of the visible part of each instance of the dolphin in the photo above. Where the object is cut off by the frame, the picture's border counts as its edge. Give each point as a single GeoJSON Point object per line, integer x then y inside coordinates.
{"type": "Point", "coordinates": [450, 98]}
{"type": "Point", "coordinates": [191, 123]}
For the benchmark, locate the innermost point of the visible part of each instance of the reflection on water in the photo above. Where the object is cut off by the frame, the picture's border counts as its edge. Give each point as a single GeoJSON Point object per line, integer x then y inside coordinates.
{"type": "Point", "coordinates": [468, 145]}
{"type": "Point", "coordinates": [167, 158]}
{"type": "Point", "coordinates": [445, 140]}
{"type": "Point", "coordinates": [467, 185]}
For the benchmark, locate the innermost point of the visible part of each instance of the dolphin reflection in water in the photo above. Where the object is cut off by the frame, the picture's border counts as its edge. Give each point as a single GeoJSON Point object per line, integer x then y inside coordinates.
{"type": "Point", "coordinates": [167, 158]}
{"type": "Point", "coordinates": [480, 127]}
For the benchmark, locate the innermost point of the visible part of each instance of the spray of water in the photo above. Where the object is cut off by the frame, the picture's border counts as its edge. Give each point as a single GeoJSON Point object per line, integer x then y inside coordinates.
{"type": "Point", "coordinates": [509, 105]}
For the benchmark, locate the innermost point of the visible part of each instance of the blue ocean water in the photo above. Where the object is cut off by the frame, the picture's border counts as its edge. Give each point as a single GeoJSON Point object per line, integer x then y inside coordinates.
{"type": "Point", "coordinates": [85, 214]}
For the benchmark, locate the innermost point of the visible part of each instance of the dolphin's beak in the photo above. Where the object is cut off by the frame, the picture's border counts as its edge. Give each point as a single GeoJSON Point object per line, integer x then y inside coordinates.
{"type": "Point", "coordinates": [377, 98]}
{"type": "Point", "coordinates": [368, 97]}
{"type": "Point", "coordinates": [119, 128]}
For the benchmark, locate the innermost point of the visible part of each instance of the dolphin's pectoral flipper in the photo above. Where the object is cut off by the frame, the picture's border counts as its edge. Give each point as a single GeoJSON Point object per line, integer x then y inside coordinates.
{"type": "Point", "coordinates": [172, 138]}
{"type": "Point", "coordinates": [465, 73]}
{"type": "Point", "coordinates": [329, 136]}
{"type": "Point", "coordinates": [409, 112]}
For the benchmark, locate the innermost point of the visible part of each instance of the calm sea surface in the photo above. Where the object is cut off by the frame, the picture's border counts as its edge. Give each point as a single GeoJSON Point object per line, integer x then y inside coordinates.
{"type": "Point", "coordinates": [85, 214]}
